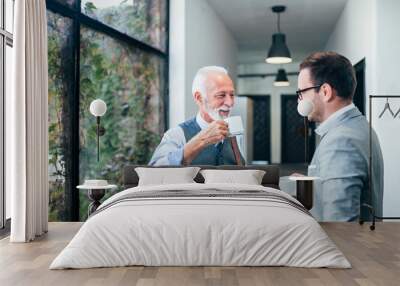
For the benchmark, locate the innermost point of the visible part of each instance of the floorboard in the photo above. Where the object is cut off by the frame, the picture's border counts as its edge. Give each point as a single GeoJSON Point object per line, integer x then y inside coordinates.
{"type": "Point", "coordinates": [375, 257]}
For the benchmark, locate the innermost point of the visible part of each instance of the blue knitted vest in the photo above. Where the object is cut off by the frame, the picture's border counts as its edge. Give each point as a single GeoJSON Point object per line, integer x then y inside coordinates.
{"type": "Point", "coordinates": [222, 154]}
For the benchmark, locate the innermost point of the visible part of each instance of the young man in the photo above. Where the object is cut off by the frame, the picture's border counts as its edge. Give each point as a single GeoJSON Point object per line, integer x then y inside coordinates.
{"type": "Point", "coordinates": [341, 160]}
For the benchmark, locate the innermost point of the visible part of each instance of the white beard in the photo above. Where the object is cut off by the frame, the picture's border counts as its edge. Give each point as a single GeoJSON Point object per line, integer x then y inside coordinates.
{"type": "Point", "coordinates": [214, 112]}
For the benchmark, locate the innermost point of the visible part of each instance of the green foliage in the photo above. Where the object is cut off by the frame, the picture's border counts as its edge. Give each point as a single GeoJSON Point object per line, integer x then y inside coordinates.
{"type": "Point", "coordinates": [58, 31]}
{"type": "Point", "coordinates": [56, 201]}
{"type": "Point", "coordinates": [89, 8]}
{"type": "Point", "coordinates": [141, 19]}
{"type": "Point", "coordinates": [128, 80]}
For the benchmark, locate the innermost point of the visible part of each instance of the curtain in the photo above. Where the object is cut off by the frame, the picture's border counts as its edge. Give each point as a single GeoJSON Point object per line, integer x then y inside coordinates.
{"type": "Point", "coordinates": [26, 117]}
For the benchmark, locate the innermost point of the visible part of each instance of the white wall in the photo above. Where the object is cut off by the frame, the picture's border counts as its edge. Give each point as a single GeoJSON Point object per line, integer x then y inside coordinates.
{"type": "Point", "coordinates": [387, 82]}
{"type": "Point", "coordinates": [177, 52]}
{"type": "Point", "coordinates": [264, 86]}
{"type": "Point", "coordinates": [354, 36]}
{"type": "Point", "coordinates": [368, 28]}
{"type": "Point", "coordinates": [198, 38]}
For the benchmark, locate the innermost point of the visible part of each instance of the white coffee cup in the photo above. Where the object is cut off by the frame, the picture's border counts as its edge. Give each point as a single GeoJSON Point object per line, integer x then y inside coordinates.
{"type": "Point", "coordinates": [235, 125]}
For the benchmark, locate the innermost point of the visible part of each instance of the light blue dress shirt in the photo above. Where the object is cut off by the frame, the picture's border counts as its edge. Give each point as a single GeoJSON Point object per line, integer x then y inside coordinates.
{"type": "Point", "coordinates": [170, 149]}
{"type": "Point", "coordinates": [342, 162]}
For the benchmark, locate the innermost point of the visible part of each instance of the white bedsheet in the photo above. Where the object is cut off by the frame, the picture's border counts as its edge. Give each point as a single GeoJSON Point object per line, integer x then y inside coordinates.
{"type": "Point", "coordinates": [200, 231]}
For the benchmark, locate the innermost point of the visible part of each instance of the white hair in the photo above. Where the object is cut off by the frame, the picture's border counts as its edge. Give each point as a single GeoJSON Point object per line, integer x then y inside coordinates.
{"type": "Point", "coordinates": [200, 79]}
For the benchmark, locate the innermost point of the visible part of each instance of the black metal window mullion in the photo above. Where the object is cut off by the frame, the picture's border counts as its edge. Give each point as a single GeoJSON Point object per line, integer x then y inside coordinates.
{"type": "Point", "coordinates": [79, 19]}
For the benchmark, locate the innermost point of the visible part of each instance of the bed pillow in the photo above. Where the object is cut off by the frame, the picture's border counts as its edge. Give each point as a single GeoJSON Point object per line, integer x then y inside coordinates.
{"type": "Point", "coordinates": [165, 176]}
{"type": "Point", "coordinates": [248, 177]}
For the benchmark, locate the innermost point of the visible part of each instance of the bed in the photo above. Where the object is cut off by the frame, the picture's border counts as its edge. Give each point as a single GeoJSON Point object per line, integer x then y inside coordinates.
{"type": "Point", "coordinates": [198, 224]}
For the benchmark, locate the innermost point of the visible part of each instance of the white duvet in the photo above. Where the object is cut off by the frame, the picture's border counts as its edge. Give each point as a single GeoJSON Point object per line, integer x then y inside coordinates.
{"type": "Point", "coordinates": [185, 231]}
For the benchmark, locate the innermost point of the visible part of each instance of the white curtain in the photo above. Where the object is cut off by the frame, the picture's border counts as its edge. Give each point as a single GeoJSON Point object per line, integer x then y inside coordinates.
{"type": "Point", "coordinates": [26, 117]}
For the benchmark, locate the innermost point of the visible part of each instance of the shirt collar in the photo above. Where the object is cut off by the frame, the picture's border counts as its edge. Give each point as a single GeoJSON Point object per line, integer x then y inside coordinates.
{"type": "Point", "coordinates": [324, 126]}
{"type": "Point", "coordinates": [200, 120]}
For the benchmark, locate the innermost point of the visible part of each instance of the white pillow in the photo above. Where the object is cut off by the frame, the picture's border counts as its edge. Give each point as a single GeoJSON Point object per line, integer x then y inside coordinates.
{"type": "Point", "coordinates": [249, 177]}
{"type": "Point", "coordinates": [164, 176]}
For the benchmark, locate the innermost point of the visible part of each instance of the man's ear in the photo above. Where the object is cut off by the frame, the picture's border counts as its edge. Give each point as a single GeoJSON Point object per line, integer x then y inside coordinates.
{"type": "Point", "coordinates": [198, 98]}
{"type": "Point", "coordinates": [328, 91]}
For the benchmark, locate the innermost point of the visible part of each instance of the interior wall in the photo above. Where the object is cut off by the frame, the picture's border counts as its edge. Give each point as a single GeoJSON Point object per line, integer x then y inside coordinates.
{"type": "Point", "coordinates": [387, 83]}
{"type": "Point", "coordinates": [177, 71]}
{"type": "Point", "coordinates": [354, 36]}
{"type": "Point", "coordinates": [366, 29]}
{"type": "Point", "coordinates": [264, 86]}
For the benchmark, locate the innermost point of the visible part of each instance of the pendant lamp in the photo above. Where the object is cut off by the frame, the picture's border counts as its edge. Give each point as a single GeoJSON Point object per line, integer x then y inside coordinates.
{"type": "Point", "coordinates": [281, 78]}
{"type": "Point", "coordinates": [279, 52]}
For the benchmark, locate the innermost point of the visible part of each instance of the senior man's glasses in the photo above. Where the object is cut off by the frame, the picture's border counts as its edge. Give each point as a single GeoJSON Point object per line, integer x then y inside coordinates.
{"type": "Point", "coordinates": [300, 91]}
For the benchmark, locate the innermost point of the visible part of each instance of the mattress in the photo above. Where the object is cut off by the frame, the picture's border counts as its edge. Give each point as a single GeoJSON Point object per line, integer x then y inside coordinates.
{"type": "Point", "coordinates": [201, 225]}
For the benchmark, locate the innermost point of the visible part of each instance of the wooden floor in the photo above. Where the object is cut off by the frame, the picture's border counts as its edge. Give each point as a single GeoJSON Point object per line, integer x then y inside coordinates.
{"type": "Point", "coordinates": [375, 257]}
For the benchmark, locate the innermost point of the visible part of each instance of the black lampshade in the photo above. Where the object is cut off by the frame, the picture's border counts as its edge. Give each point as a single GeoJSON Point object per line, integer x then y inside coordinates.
{"type": "Point", "coordinates": [279, 52]}
{"type": "Point", "coordinates": [281, 78]}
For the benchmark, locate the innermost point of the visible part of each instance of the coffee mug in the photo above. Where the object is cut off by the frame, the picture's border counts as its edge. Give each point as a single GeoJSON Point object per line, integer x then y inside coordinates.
{"type": "Point", "coordinates": [235, 125]}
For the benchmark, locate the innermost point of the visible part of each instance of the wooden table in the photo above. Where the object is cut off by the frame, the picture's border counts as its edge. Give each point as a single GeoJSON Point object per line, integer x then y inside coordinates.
{"type": "Point", "coordinates": [374, 255]}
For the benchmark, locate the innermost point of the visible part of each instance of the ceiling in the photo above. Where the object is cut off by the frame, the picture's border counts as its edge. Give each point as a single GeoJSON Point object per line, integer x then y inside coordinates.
{"type": "Point", "coordinates": [306, 23]}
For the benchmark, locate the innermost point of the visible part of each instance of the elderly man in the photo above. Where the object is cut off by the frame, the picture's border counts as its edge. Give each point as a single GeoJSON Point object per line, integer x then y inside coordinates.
{"type": "Point", "coordinates": [202, 140]}
{"type": "Point", "coordinates": [327, 80]}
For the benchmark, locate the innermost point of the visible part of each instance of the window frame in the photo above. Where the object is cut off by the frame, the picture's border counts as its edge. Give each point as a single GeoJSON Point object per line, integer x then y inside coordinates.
{"type": "Point", "coordinates": [79, 18]}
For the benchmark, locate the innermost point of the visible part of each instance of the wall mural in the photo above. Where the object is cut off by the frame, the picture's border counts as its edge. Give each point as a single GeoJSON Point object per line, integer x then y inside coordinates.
{"type": "Point", "coordinates": [115, 51]}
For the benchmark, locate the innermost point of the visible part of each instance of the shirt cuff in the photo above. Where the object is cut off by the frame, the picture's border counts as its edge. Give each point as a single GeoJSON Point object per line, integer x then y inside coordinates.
{"type": "Point", "coordinates": [176, 157]}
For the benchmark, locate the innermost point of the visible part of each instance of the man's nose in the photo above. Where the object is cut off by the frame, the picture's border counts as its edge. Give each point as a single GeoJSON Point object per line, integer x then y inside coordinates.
{"type": "Point", "coordinates": [229, 101]}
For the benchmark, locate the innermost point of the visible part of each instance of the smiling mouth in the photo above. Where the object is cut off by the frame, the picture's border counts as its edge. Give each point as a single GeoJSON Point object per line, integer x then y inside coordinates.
{"type": "Point", "coordinates": [224, 113]}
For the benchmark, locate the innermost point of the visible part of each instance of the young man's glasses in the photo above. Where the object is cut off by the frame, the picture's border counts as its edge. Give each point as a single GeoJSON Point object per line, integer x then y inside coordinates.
{"type": "Point", "coordinates": [300, 91]}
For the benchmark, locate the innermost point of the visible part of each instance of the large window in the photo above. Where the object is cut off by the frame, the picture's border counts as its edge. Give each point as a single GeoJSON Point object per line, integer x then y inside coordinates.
{"type": "Point", "coordinates": [115, 51]}
{"type": "Point", "coordinates": [6, 44]}
{"type": "Point", "coordinates": [143, 19]}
